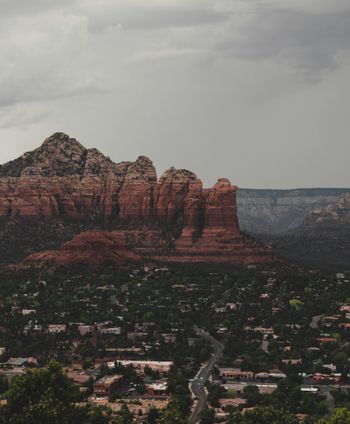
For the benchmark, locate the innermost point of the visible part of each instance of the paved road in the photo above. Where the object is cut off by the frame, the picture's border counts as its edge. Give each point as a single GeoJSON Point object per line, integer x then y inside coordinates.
{"type": "Point", "coordinates": [197, 385]}
{"type": "Point", "coordinates": [281, 294]}
{"type": "Point", "coordinates": [315, 321]}
{"type": "Point", "coordinates": [265, 345]}
{"type": "Point", "coordinates": [326, 391]}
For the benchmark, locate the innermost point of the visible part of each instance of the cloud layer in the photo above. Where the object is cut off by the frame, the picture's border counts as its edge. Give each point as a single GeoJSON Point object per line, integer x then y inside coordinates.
{"type": "Point", "coordinates": [220, 86]}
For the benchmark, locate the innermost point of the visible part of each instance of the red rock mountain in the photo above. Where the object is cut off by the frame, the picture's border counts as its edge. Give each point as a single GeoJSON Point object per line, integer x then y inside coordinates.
{"type": "Point", "coordinates": [172, 218]}
{"type": "Point", "coordinates": [91, 248]}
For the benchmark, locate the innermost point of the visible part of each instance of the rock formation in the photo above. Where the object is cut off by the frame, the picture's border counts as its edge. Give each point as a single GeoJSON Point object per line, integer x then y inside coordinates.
{"type": "Point", "coordinates": [336, 212]}
{"type": "Point", "coordinates": [168, 219]}
{"type": "Point", "coordinates": [322, 241]}
{"type": "Point", "coordinates": [274, 212]}
{"type": "Point", "coordinates": [62, 178]}
{"type": "Point", "coordinates": [170, 195]}
{"type": "Point", "coordinates": [93, 249]}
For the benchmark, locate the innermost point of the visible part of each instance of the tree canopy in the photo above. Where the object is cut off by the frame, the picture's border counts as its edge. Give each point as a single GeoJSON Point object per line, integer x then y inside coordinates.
{"type": "Point", "coordinates": [46, 395]}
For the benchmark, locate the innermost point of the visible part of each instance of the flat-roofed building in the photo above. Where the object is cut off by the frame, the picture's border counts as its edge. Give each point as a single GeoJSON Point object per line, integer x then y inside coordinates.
{"type": "Point", "coordinates": [9, 374]}
{"type": "Point", "coordinates": [14, 363]}
{"type": "Point", "coordinates": [156, 389]}
{"type": "Point", "coordinates": [28, 311]}
{"type": "Point", "coordinates": [32, 329]}
{"type": "Point", "coordinates": [115, 331]}
{"type": "Point", "coordinates": [85, 329]}
{"type": "Point", "coordinates": [235, 403]}
{"type": "Point", "coordinates": [160, 366]}
{"type": "Point", "coordinates": [107, 386]}
{"type": "Point", "coordinates": [261, 330]}
{"type": "Point", "coordinates": [277, 374]}
{"type": "Point", "coordinates": [235, 374]}
{"type": "Point", "coordinates": [56, 328]}
{"type": "Point", "coordinates": [79, 377]}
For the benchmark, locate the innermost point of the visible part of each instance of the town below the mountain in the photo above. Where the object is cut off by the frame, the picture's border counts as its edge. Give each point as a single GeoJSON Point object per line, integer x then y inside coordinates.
{"type": "Point", "coordinates": [127, 297]}
{"type": "Point", "coordinates": [179, 344]}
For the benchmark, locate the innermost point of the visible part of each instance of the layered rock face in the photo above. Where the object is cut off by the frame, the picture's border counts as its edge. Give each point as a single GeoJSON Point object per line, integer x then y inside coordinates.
{"type": "Point", "coordinates": [170, 195]}
{"type": "Point", "coordinates": [173, 217]}
{"type": "Point", "coordinates": [63, 179]}
{"type": "Point", "coordinates": [274, 212]}
{"type": "Point", "coordinates": [135, 196]}
{"type": "Point", "coordinates": [336, 212]}
{"type": "Point", "coordinates": [323, 240]}
{"type": "Point", "coordinates": [220, 216]}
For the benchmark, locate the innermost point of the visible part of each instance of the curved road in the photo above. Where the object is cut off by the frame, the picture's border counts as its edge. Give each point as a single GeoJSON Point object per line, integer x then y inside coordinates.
{"type": "Point", "coordinates": [197, 385]}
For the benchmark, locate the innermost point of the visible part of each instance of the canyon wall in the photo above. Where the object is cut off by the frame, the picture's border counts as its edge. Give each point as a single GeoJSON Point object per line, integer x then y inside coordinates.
{"type": "Point", "coordinates": [279, 211]}
{"type": "Point", "coordinates": [337, 212]}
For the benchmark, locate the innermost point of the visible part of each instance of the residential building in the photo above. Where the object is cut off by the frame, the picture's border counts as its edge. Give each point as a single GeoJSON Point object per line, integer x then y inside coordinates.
{"type": "Point", "coordinates": [107, 386]}
{"type": "Point", "coordinates": [115, 331]}
{"type": "Point", "coordinates": [235, 374]}
{"type": "Point", "coordinates": [156, 389]}
{"type": "Point", "coordinates": [56, 328]}
{"type": "Point", "coordinates": [160, 366]}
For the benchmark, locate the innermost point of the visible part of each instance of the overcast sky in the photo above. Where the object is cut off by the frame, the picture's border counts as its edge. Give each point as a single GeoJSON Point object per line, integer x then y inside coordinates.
{"type": "Point", "coordinates": [254, 90]}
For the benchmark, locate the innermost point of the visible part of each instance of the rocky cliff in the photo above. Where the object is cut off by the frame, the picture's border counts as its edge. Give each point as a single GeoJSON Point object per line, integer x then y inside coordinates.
{"type": "Point", "coordinates": [63, 179]}
{"type": "Point", "coordinates": [322, 240]}
{"type": "Point", "coordinates": [337, 211]}
{"type": "Point", "coordinates": [65, 188]}
{"type": "Point", "coordinates": [280, 211]}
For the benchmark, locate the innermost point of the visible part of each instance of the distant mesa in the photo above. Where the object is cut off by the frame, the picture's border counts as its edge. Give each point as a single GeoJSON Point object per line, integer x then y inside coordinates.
{"type": "Point", "coordinates": [172, 218]}
{"type": "Point", "coordinates": [336, 212]}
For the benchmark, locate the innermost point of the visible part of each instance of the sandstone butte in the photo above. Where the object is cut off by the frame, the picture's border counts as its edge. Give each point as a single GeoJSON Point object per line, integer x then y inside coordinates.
{"type": "Point", "coordinates": [172, 218]}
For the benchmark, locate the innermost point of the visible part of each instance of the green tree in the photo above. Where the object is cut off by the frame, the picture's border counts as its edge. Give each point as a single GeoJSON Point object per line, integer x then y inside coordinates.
{"type": "Point", "coordinates": [341, 416]}
{"type": "Point", "coordinates": [234, 417]}
{"type": "Point", "coordinates": [231, 393]}
{"type": "Point", "coordinates": [215, 392]}
{"type": "Point", "coordinates": [296, 304]}
{"type": "Point", "coordinates": [3, 384]}
{"type": "Point", "coordinates": [171, 416]}
{"type": "Point", "coordinates": [44, 396]}
{"type": "Point", "coordinates": [251, 393]}
{"type": "Point", "coordinates": [153, 415]}
{"type": "Point", "coordinates": [148, 316]}
{"type": "Point", "coordinates": [176, 412]}
{"type": "Point", "coordinates": [207, 416]}
{"type": "Point", "coordinates": [124, 415]}
{"type": "Point", "coordinates": [265, 415]}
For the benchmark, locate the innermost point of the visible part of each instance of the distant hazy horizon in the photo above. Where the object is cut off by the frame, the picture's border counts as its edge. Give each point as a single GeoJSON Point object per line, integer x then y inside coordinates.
{"type": "Point", "coordinates": [252, 90]}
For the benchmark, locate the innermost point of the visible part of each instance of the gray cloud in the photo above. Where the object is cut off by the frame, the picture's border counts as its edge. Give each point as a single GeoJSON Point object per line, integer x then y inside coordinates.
{"type": "Point", "coordinates": [22, 116]}
{"type": "Point", "coordinates": [143, 17]}
{"type": "Point", "coordinates": [45, 59]}
{"type": "Point", "coordinates": [155, 18]}
{"type": "Point", "coordinates": [306, 40]}
{"type": "Point", "coordinates": [221, 87]}
{"type": "Point", "coordinates": [10, 8]}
